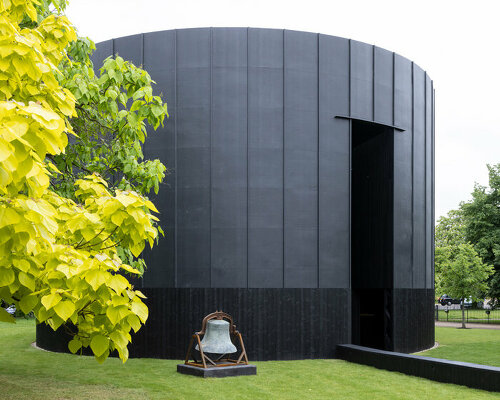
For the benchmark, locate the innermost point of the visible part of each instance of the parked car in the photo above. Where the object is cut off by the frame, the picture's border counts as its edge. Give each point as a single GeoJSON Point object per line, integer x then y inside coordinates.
{"type": "Point", "coordinates": [468, 302]}
{"type": "Point", "coordinates": [447, 300]}
{"type": "Point", "coordinates": [11, 309]}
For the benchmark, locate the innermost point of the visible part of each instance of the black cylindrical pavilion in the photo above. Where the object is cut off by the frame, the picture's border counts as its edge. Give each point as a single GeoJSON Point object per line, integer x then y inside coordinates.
{"type": "Point", "coordinates": [300, 199]}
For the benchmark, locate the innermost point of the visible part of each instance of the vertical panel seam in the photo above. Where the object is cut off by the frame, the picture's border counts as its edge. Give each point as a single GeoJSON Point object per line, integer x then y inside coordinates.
{"type": "Point", "coordinates": [283, 164]}
{"type": "Point", "coordinates": [412, 175]}
{"type": "Point", "coordinates": [350, 41]}
{"type": "Point", "coordinates": [425, 182]}
{"type": "Point", "coordinates": [393, 165]}
{"type": "Point", "coordinates": [142, 51]}
{"type": "Point", "coordinates": [393, 88]}
{"type": "Point", "coordinates": [248, 160]}
{"type": "Point", "coordinates": [373, 83]}
{"type": "Point", "coordinates": [392, 274]}
{"type": "Point", "coordinates": [318, 173]}
{"type": "Point", "coordinates": [210, 180]}
{"type": "Point", "coordinates": [433, 144]}
{"type": "Point", "coordinates": [350, 168]}
{"type": "Point", "coordinates": [175, 162]}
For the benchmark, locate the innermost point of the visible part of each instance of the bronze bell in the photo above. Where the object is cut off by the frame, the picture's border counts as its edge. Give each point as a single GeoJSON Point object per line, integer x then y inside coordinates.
{"type": "Point", "coordinates": [218, 332]}
{"type": "Point", "coordinates": [217, 339]}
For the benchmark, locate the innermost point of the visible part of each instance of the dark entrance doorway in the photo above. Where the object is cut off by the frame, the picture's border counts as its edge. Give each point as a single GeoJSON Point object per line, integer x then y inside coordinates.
{"type": "Point", "coordinates": [372, 233]}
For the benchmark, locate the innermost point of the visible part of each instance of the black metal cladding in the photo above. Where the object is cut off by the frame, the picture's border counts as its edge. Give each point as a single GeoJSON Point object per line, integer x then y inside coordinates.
{"type": "Point", "coordinates": [259, 194]}
{"type": "Point", "coordinates": [259, 191]}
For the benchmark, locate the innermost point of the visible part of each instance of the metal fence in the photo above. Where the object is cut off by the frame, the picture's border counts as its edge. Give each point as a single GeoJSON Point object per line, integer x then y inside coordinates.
{"type": "Point", "coordinates": [474, 315]}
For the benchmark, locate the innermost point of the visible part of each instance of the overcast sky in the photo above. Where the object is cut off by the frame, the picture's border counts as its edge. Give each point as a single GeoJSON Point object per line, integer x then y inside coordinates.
{"type": "Point", "coordinates": [456, 42]}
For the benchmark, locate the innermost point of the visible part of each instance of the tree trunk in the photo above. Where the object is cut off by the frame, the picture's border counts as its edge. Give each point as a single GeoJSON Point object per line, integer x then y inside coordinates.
{"type": "Point", "coordinates": [463, 313]}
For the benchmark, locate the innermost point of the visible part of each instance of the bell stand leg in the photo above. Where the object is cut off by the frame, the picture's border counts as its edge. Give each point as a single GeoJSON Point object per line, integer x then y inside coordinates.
{"type": "Point", "coordinates": [243, 351]}
{"type": "Point", "coordinates": [189, 350]}
{"type": "Point", "coordinates": [203, 355]}
{"type": "Point", "coordinates": [201, 352]}
{"type": "Point", "coordinates": [190, 353]}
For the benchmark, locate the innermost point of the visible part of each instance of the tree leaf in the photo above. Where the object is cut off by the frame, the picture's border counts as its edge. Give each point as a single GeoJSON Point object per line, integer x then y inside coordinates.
{"type": "Point", "coordinates": [51, 300]}
{"type": "Point", "coordinates": [27, 303]}
{"type": "Point", "coordinates": [65, 309]}
{"type": "Point", "coordinates": [99, 344]}
{"type": "Point", "coordinates": [118, 283]}
{"type": "Point", "coordinates": [7, 276]}
{"type": "Point", "coordinates": [27, 280]}
{"type": "Point", "coordinates": [118, 338]}
{"type": "Point", "coordinates": [116, 314]}
{"type": "Point", "coordinates": [74, 345]}
{"type": "Point", "coordinates": [134, 322]}
{"type": "Point", "coordinates": [140, 309]}
{"type": "Point", "coordinates": [100, 359]}
{"type": "Point", "coordinates": [5, 316]}
{"type": "Point", "coordinates": [22, 265]}
{"type": "Point", "coordinates": [123, 353]}
{"type": "Point", "coordinates": [96, 278]}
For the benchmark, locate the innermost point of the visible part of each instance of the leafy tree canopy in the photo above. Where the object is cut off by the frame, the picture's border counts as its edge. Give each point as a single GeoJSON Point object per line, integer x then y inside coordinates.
{"type": "Point", "coordinates": [482, 221]}
{"type": "Point", "coordinates": [59, 247]}
{"type": "Point", "coordinates": [462, 272]}
{"type": "Point", "coordinates": [477, 222]}
{"type": "Point", "coordinates": [112, 111]}
{"type": "Point", "coordinates": [450, 229]}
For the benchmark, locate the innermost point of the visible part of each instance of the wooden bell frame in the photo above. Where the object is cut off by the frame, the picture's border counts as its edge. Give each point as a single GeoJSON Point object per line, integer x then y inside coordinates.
{"type": "Point", "coordinates": [207, 362]}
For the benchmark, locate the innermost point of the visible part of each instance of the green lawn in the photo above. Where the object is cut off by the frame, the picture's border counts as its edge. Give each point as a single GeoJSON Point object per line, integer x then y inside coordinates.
{"type": "Point", "coordinates": [481, 346]}
{"type": "Point", "coordinates": [29, 373]}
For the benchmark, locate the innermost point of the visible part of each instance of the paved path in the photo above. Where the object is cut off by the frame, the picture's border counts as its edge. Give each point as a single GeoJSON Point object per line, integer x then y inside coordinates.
{"type": "Point", "coordinates": [468, 325]}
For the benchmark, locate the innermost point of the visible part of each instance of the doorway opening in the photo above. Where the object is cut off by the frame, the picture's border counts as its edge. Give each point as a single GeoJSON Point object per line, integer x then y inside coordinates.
{"type": "Point", "coordinates": [372, 209]}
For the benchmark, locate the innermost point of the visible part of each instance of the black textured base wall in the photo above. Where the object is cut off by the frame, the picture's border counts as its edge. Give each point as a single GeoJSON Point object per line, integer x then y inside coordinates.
{"type": "Point", "coordinates": [276, 324]}
{"type": "Point", "coordinates": [413, 328]}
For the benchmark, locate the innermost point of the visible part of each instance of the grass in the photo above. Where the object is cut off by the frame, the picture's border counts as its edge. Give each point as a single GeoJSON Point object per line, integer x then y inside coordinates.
{"type": "Point", "coordinates": [29, 373]}
{"type": "Point", "coordinates": [474, 316]}
{"type": "Point", "coordinates": [480, 346]}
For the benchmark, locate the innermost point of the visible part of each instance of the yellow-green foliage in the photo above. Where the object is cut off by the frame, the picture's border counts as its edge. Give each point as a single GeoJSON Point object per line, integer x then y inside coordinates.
{"type": "Point", "coordinates": [58, 256]}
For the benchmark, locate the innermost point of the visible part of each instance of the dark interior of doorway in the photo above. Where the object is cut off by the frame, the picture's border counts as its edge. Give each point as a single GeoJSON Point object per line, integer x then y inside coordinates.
{"type": "Point", "coordinates": [372, 233]}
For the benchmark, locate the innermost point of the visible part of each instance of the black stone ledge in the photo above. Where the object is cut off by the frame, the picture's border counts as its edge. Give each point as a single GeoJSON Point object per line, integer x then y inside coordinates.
{"type": "Point", "coordinates": [219, 372]}
{"type": "Point", "coordinates": [459, 373]}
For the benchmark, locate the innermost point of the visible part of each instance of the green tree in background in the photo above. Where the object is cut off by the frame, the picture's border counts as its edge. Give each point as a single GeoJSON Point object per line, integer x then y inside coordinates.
{"type": "Point", "coordinates": [482, 226]}
{"type": "Point", "coordinates": [112, 111]}
{"type": "Point", "coordinates": [449, 234]}
{"type": "Point", "coordinates": [476, 222]}
{"type": "Point", "coordinates": [450, 229]}
{"type": "Point", "coordinates": [462, 273]}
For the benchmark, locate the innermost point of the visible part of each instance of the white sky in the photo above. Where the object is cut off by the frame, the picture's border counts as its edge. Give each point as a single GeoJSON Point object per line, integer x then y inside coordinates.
{"type": "Point", "coordinates": [456, 42]}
